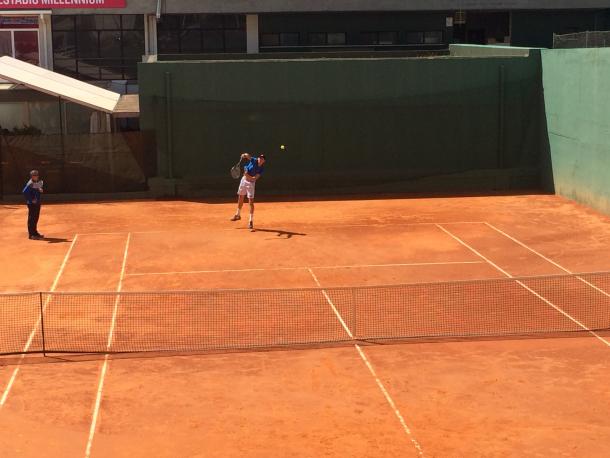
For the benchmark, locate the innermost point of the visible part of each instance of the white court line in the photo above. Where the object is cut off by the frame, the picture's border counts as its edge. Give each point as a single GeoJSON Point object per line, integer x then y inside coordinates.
{"type": "Point", "coordinates": [100, 388]}
{"type": "Point", "coordinates": [547, 259]}
{"type": "Point", "coordinates": [398, 224]}
{"type": "Point", "coordinates": [384, 391]}
{"type": "Point", "coordinates": [11, 381]}
{"type": "Point", "coordinates": [83, 234]}
{"type": "Point", "coordinates": [567, 315]}
{"type": "Point", "coordinates": [329, 226]}
{"type": "Point", "coordinates": [357, 266]}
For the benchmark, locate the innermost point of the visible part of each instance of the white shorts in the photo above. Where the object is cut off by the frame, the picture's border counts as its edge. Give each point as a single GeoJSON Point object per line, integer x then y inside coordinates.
{"type": "Point", "coordinates": [246, 188]}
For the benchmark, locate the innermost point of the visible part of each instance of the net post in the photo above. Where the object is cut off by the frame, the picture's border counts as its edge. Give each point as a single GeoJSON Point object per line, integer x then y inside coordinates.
{"type": "Point", "coordinates": [44, 345]}
{"type": "Point", "coordinates": [354, 322]}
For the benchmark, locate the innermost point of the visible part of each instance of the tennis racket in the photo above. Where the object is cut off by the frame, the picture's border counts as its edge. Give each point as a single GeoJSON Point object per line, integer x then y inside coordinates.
{"type": "Point", "coordinates": [236, 170]}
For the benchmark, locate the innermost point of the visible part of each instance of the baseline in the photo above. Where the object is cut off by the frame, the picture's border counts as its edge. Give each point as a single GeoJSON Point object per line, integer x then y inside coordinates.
{"type": "Point", "coordinates": [268, 269]}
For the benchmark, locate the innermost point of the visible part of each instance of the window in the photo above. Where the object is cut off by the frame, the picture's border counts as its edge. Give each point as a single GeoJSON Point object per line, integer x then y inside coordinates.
{"type": "Point", "coordinates": [336, 39]}
{"type": "Point", "coordinates": [317, 39]}
{"type": "Point", "coordinates": [270, 39]}
{"type": "Point", "coordinates": [19, 38]}
{"type": "Point", "coordinates": [234, 40]}
{"type": "Point", "coordinates": [213, 41]}
{"type": "Point", "coordinates": [6, 43]}
{"type": "Point", "coordinates": [379, 38]}
{"type": "Point", "coordinates": [327, 39]}
{"type": "Point", "coordinates": [369, 38]}
{"type": "Point", "coordinates": [433, 38]}
{"type": "Point", "coordinates": [415, 38]}
{"type": "Point", "coordinates": [289, 39]}
{"type": "Point", "coordinates": [201, 33]}
{"type": "Point", "coordinates": [388, 38]}
{"type": "Point", "coordinates": [98, 47]}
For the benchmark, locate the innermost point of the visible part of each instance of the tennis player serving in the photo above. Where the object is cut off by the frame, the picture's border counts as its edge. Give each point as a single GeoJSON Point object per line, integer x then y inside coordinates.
{"type": "Point", "coordinates": [253, 170]}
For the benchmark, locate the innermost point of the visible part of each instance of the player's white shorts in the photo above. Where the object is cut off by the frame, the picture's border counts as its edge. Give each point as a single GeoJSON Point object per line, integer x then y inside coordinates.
{"type": "Point", "coordinates": [246, 188]}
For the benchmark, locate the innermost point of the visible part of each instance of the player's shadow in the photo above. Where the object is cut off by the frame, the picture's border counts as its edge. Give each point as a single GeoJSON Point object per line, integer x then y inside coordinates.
{"type": "Point", "coordinates": [55, 240]}
{"type": "Point", "coordinates": [281, 233]}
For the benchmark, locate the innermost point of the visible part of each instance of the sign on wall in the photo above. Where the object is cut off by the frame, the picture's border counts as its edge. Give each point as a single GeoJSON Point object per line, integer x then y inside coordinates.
{"type": "Point", "coordinates": [49, 4]}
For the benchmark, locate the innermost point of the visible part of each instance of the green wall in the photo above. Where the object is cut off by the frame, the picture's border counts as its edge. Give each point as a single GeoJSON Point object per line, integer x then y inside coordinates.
{"type": "Point", "coordinates": [419, 124]}
{"type": "Point", "coordinates": [577, 98]}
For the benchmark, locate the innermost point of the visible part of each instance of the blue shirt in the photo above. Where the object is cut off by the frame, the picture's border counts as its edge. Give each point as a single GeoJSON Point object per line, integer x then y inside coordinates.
{"type": "Point", "coordinates": [32, 195]}
{"type": "Point", "coordinates": [252, 168]}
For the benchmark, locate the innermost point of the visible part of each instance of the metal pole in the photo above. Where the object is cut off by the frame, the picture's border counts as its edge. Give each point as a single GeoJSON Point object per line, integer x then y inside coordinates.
{"type": "Point", "coordinates": [501, 108]}
{"type": "Point", "coordinates": [44, 343]}
{"type": "Point", "coordinates": [168, 120]}
{"type": "Point", "coordinates": [1, 168]}
{"type": "Point", "coordinates": [354, 325]}
{"type": "Point", "coordinates": [63, 146]}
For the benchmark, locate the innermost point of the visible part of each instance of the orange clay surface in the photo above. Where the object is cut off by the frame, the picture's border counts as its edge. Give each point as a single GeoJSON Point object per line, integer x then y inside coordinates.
{"type": "Point", "coordinates": [493, 398]}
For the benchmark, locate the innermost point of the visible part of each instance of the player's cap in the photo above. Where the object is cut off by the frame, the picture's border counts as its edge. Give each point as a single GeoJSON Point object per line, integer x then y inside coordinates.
{"type": "Point", "coordinates": [34, 173]}
{"type": "Point", "coordinates": [263, 156]}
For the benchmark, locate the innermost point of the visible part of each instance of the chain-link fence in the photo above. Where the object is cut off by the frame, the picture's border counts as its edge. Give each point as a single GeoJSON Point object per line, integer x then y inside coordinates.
{"type": "Point", "coordinates": [599, 39]}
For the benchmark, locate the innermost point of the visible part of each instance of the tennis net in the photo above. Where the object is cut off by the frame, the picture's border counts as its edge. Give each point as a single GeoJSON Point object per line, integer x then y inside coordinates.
{"type": "Point", "coordinates": [218, 320]}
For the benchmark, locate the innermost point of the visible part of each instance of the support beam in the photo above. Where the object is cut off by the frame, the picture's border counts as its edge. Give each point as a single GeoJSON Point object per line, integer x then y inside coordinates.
{"type": "Point", "coordinates": [45, 40]}
{"type": "Point", "coordinates": [150, 35]}
{"type": "Point", "coordinates": [252, 33]}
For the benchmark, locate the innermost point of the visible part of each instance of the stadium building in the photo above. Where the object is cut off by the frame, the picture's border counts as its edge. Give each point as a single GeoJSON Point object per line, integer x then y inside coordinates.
{"type": "Point", "coordinates": [103, 40]}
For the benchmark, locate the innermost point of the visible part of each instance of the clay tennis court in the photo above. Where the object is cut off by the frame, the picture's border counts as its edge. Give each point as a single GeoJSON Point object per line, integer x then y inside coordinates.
{"type": "Point", "coordinates": [512, 395]}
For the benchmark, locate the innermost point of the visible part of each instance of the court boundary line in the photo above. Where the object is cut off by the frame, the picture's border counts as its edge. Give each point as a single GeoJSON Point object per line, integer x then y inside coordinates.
{"type": "Point", "coordinates": [537, 253]}
{"type": "Point", "coordinates": [28, 343]}
{"type": "Point", "coordinates": [308, 225]}
{"type": "Point", "coordinates": [523, 285]}
{"type": "Point", "coordinates": [100, 388]}
{"type": "Point", "coordinates": [371, 369]}
{"type": "Point", "coordinates": [271, 269]}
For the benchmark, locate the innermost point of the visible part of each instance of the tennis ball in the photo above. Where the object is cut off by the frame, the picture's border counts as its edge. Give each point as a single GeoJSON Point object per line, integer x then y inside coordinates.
{"type": "Point", "coordinates": [282, 147]}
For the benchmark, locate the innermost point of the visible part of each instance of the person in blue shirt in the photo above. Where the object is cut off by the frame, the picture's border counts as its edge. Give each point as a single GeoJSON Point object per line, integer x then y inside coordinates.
{"type": "Point", "coordinates": [33, 194]}
{"type": "Point", "coordinates": [253, 170]}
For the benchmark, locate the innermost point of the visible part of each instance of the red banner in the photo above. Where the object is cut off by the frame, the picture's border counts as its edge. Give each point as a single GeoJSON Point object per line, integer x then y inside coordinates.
{"type": "Point", "coordinates": [53, 4]}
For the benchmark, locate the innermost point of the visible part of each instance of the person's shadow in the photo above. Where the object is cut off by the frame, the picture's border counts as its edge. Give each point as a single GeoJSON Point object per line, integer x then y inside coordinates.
{"type": "Point", "coordinates": [281, 233]}
{"type": "Point", "coordinates": [54, 240]}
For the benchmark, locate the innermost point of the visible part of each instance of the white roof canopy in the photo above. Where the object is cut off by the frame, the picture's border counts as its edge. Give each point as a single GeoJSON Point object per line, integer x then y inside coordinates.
{"type": "Point", "coordinates": [58, 85]}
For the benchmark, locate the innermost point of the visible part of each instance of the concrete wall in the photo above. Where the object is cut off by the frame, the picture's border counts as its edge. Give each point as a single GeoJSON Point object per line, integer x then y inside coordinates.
{"type": "Point", "coordinates": [459, 50]}
{"type": "Point", "coordinates": [349, 121]}
{"type": "Point", "coordinates": [261, 6]}
{"type": "Point", "coordinates": [577, 99]}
